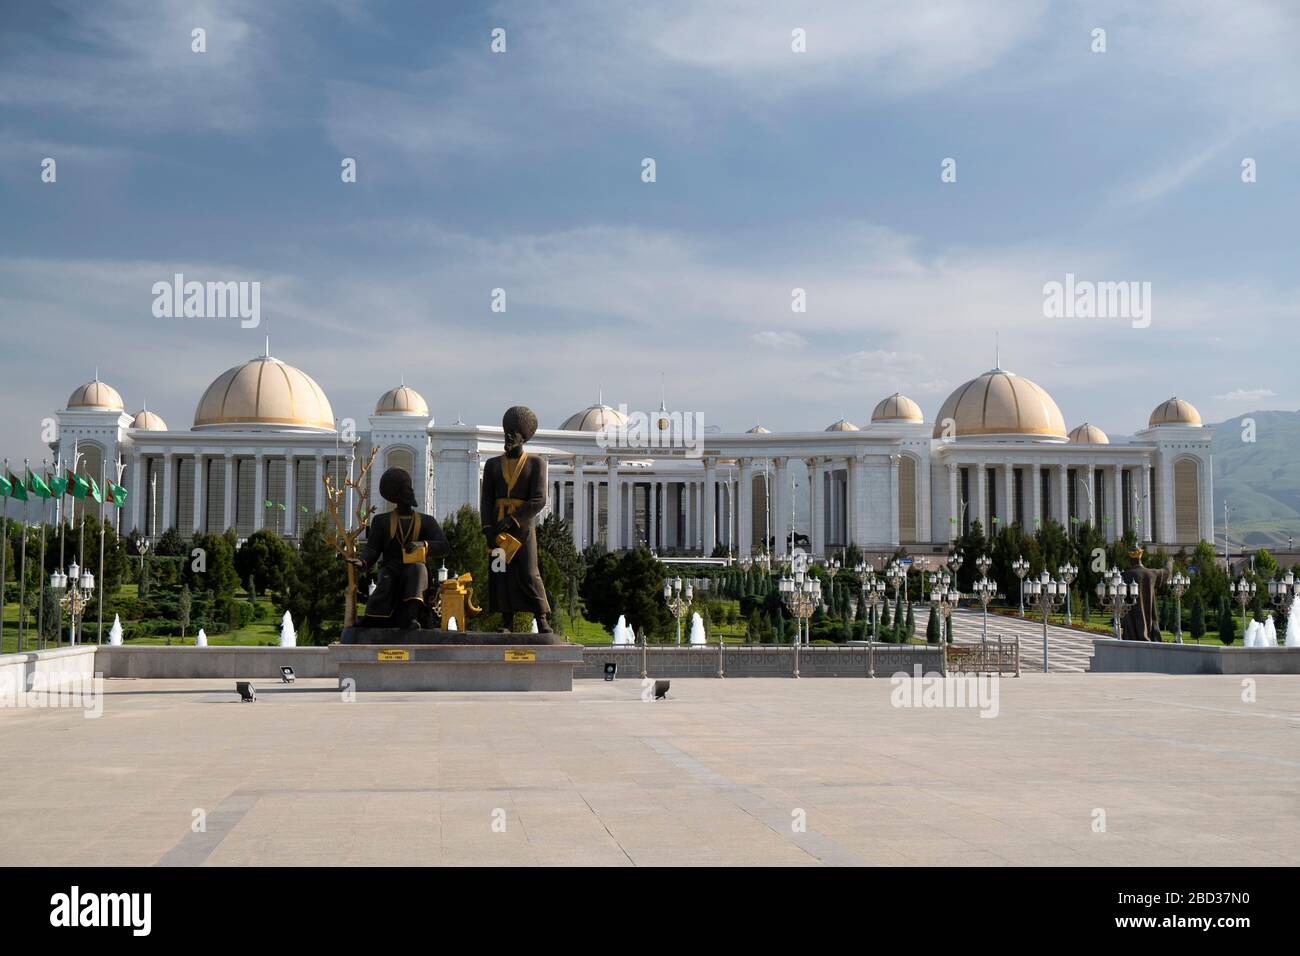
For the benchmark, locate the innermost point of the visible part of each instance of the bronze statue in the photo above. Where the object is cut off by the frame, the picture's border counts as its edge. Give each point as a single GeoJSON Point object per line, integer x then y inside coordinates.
{"type": "Point", "coordinates": [1140, 622]}
{"type": "Point", "coordinates": [400, 541]}
{"type": "Point", "coordinates": [514, 493]}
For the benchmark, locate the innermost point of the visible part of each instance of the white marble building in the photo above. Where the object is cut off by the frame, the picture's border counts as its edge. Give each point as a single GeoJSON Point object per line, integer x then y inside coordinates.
{"type": "Point", "coordinates": [997, 448]}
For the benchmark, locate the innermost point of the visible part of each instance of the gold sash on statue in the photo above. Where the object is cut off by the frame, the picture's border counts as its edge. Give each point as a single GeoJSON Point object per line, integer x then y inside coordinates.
{"type": "Point", "coordinates": [415, 555]}
{"type": "Point", "coordinates": [510, 472]}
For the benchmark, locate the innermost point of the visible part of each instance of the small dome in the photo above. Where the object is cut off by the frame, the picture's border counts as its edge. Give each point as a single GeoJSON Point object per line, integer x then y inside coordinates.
{"type": "Point", "coordinates": [147, 421]}
{"type": "Point", "coordinates": [843, 425]}
{"type": "Point", "coordinates": [758, 430]}
{"type": "Point", "coordinates": [96, 394]}
{"type": "Point", "coordinates": [897, 408]}
{"type": "Point", "coordinates": [1088, 434]}
{"type": "Point", "coordinates": [265, 394]}
{"type": "Point", "coordinates": [594, 418]}
{"type": "Point", "coordinates": [1175, 412]}
{"type": "Point", "coordinates": [402, 400]}
{"type": "Point", "coordinates": [1001, 403]}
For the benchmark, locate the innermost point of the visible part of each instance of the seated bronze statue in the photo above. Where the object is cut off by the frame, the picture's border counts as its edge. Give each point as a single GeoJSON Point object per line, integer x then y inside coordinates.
{"type": "Point", "coordinates": [399, 542]}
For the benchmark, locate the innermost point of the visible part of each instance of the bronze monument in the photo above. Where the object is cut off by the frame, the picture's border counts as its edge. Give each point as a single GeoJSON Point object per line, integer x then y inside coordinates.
{"type": "Point", "coordinates": [513, 494]}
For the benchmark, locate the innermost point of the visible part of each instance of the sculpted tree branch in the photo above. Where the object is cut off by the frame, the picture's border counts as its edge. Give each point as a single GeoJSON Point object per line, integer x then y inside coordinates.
{"type": "Point", "coordinates": [345, 539]}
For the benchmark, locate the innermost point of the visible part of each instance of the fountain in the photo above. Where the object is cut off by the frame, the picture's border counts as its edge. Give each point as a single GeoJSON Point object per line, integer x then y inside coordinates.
{"type": "Point", "coordinates": [1270, 632]}
{"type": "Point", "coordinates": [288, 637]}
{"type": "Point", "coordinates": [697, 630]}
{"type": "Point", "coordinates": [1252, 633]}
{"type": "Point", "coordinates": [1293, 625]}
{"type": "Point", "coordinates": [451, 624]}
{"type": "Point", "coordinates": [115, 633]}
{"type": "Point", "coordinates": [621, 631]}
{"type": "Point", "coordinates": [533, 629]}
{"type": "Point", "coordinates": [201, 639]}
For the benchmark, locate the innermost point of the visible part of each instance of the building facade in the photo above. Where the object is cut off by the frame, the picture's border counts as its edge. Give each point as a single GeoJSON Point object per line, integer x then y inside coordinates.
{"type": "Point", "coordinates": [998, 451]}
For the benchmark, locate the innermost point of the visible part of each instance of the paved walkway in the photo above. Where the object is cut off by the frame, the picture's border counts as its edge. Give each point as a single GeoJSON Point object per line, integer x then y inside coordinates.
{"type": "Point", "coordinates": [1068, 651]}
{"type": "Point", "coordinates": [1176, 770]}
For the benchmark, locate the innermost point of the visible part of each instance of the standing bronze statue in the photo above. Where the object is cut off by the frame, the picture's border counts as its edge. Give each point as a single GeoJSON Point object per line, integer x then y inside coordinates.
{"type": "Point", "coordinates": [514, 493]}
{"type": "Point", "coordinates": [1140, 622]}
{"type": "Point", "coordinates": [400, 541]}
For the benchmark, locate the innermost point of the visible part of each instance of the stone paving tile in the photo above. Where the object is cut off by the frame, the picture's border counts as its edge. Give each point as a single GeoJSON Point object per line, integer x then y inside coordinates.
{"type": "Point", "coordinates": [1185, 771]}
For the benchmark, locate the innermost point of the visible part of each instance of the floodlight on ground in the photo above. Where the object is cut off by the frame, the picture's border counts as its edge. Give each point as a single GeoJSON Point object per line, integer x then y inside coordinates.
{"type": "Point", "coordinates": [611, 670]}
{"type": "Point", "coordinates": [286, 674]}
{"type": "Point", "coordinates": [661, 689]}
{"type": "Point", "coordinates": [246, 692]}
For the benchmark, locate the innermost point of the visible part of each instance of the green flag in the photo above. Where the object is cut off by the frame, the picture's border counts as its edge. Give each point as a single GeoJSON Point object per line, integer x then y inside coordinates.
{"type": "Point", "coordinates": [4, 487]}
{"type": "Point", "coordinates": [302, 508]}
{"type": "Point", "coordinates": [280, 506]}
{"type": "Point", "coordinates": [58, 486]}
{"type": "Point", "coordinates": [36, 485]}
{"type": "Point", "coordinates": [269, 503]}
{"type": "Point", "coordinates": [77, 486]}
{"type": "Point", "coordinates": [16, 489]}
{"type": "Point", "coordinates": [95, 492]}
{"type": "Point", "coordinates": [117, 493]}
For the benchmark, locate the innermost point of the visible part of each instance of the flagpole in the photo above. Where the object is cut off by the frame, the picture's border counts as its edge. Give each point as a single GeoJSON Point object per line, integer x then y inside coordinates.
{"type": "Point", "coordinates": [40, 607]}
{"type": "Point", "coordinates": [4, 550]}
{"type": "Point", "coordinates": [22, 572]}
{"type": "Point", "coordinates": [103, 478]}
{"type": "Point", "coordinates": [58, 631]}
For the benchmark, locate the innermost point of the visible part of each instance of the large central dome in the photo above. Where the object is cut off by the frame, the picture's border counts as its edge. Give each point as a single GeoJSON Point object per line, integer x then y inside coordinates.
{"type": "Point", "coordinates": [1000, 403]}
{"type": "Point", "coordinates": [264, 394]}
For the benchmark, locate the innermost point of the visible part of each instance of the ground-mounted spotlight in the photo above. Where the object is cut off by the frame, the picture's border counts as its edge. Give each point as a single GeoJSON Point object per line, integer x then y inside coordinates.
{"type": "Point", "coordinates": [246, 692]}
{"type": "Point", "coordinates": [661, 689]}
{"type": "Point", "coordinates": [611, 670]}
{"type": "Point", "coordinates": [286, 674]}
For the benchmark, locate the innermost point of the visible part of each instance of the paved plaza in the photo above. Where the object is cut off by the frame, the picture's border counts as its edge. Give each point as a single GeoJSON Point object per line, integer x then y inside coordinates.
{"type": "Point", "coordinates": [725, 772]}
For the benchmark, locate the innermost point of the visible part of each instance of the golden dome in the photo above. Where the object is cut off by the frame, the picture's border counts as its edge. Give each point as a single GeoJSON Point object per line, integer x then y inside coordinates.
{"type": "Point", "coordinates": [147, 421]}
{"type": "Point", "coordinates": [1175, 412]}
{"type": "Point", "coordinates": [264, 394]}
{"type": "Point", "coordinates": [758, 430]}
{"type": "Point", "coordinates": [594, 418]}
{"type": "Point", "coordinates": [897, 408]}
{"type": "Point", "coordinates": [843, 425]}
{"type": "Point", "coordinates": [1088, 434]}
{"type": "Point", "coordinates": [1000, 403]}
{"type": "Point", "coordinates": [402, 400]}
{"type": "Point", "coordinates": [96, 394]}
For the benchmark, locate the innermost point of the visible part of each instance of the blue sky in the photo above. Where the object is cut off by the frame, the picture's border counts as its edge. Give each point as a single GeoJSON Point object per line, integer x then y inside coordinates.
{"type": "Point", "coordinates": [775, 170]}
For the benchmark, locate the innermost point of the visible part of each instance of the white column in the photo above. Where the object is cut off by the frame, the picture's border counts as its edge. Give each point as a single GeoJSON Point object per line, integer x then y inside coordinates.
{"type": "Point", "coordinates": [895, 534]}
{"type": "Point", "coordinates": [1063, 495]}
{"type": "Point", "coordinates": [954, 502]}
{"type": "Point", "coordinates": [228, 491]}
{"type": "Point", "coordinates": [613, 492]}
{"type": "Point", "coordinates": [291, 495]}
{"type": "Point", "coordinates": [779, 492]}
{"type": "Point", "coordinates": [710, 514]}
{"type": "Point", "coordinates": [320, 483]}
{"type": "Point", "coordinates": [579, 510]}
{"type": "Point", "coordinates": [259, 490]}
{"type": "Point", "coordinates": [814, 502]}
{"type": "Point", "coordinates": [1036, 506]}
{"type": "Point", "coordinates": [688, 523]}
{"type": "Point", "coordinates": [1117, 505]}
{"type": "Point", "coordinates": [1090, 499]}
{"type": "Point", "coordinates": [200, 493]}
{"type": "Point", "coordinates": [1148, 533]}
{"type": "Point", "coordinates": [629, 519]}
{"type": "Point", "coordinates": [979, 506]}
{"type": "Point", "coordinates": [137, 488]}
{"type": "Point", "coordinates": [925, 501]}
{"type": "Point", "coordinates": [1007, 506]}
{"type": "Point", "coordinates": [745, 510]}
{"type": "Point", "coordinates": [851, 504]}
{"type": "Point", "coordinates": [169, 496]}
{"type": "Point", "coordinates": [652, 517]}
{"type": "Point", "coordinates": [1206, 485]}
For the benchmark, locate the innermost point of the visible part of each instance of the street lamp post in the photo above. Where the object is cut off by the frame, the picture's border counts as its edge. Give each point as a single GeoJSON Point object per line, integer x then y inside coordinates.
{"type": "Point", "coordinates": [1021, 567]}
{"type": "Point", "coordinates": [1179, 584]}
{"type": "Point", "coordinates": [1113, 592]}
{"type": "Point", "coordinates": [1068, 573]}
{"type": "Point", "coordinates": [802, 594]}
{"type": "Point", "coordinates": [77, 586]}
{"type": "Point", "coordinates": [985, 590]}
{"type": "Point", "coordinates": [679, 601]}
{"type": "Point", "coordinates": [1047, 593]}
{"type": "Point", "coordinates": [1283, 592]}
{"type": "Point", "coordinates": [1244, 591]}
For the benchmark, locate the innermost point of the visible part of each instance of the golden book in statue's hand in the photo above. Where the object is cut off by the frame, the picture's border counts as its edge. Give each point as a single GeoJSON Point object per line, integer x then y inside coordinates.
{"type": "Point", "coordinates": [509, 544]}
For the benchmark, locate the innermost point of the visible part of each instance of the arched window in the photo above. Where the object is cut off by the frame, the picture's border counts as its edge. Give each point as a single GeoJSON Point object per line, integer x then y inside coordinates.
{"type": "Point", "coordinates": [1187, 501]}
{"type": "Point", "coordinates": [399, 456]}
{"type": "Point", "coordinates": [907, 499]}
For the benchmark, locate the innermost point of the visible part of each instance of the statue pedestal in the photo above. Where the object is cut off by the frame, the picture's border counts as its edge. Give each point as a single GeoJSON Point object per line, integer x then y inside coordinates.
{"type": "Point", "coordinates": [457, 667]}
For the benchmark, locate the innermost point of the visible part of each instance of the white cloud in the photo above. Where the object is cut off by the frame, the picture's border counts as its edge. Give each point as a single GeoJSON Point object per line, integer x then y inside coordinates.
{"type": "Point", "coordinates": [1246, 395]}
{"type": "Point", "coordinates": [780, 340]}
